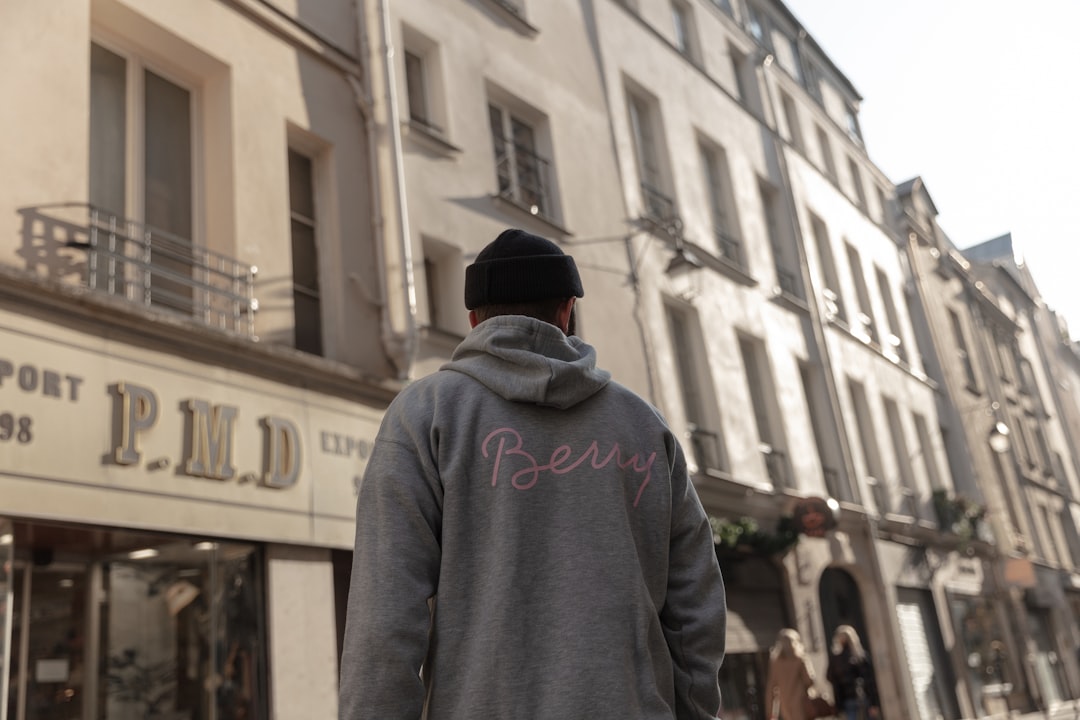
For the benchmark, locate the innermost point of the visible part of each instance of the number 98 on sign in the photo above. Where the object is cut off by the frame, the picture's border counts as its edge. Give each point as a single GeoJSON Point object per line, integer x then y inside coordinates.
{"type": "Point", "coordinates": [16, 428]}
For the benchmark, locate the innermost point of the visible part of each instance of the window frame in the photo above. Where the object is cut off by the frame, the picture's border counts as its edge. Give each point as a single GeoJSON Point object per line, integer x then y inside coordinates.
{"type": "Point", "coordinates": [510, 112]}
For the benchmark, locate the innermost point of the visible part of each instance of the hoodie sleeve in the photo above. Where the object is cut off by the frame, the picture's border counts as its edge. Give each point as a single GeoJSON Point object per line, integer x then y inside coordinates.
{"type": "Point", "coordinates": [395, 572]}
{"type": "Point", "coordinates": [694, 616]}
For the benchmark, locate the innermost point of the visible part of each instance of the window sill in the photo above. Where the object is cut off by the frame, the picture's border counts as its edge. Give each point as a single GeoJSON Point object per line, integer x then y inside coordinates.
{"type": "Point", "coordinates": [791, 302]}
{"type": "Point", "coordinates": [512, 17]}
{"type": "Point", "coordinates": [430, 140]}
{"type": "Point", "coordinates": [518, 209]}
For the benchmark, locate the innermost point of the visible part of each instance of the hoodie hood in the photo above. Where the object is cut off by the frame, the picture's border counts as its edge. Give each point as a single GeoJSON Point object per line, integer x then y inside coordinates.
{"type": "Point", "coordinates": [527, 360]}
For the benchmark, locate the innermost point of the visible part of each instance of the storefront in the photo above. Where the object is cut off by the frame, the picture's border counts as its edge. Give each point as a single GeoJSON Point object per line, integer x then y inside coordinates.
{"type": "Point", "coordinates": [168, 531]}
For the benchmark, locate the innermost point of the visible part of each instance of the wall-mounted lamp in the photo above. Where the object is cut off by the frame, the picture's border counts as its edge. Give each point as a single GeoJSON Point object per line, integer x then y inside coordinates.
{"type": "Point", "coordinates": [684, 259]}
{"type": "Point", "coordinates": [999, 438]}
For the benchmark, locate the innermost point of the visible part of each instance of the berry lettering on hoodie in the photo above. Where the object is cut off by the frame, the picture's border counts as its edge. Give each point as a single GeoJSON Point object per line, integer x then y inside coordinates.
{"type": "Point", "coordinates": [505, 442]}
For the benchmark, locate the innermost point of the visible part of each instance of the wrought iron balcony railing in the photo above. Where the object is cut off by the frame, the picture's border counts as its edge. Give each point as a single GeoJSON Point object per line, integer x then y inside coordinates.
{"type": "Point", "coordinates": [522, 176]}
{"type": "Point", "coordinates": [660, 209]}
{"type": "Point", "coordinates": [730, 248]}
{"type": "Point", "coordinates": [153, 268]}
{"type": "Point", "coordinates": [706, 447]}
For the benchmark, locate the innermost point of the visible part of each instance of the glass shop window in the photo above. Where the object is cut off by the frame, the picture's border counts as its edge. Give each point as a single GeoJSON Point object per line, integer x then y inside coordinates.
{"type": "Point", "coordinates": [126, 626]}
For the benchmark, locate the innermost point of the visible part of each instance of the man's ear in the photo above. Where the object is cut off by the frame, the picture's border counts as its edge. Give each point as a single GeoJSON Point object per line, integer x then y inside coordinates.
{"type": "Point", "coordinates": [473, 319]}
{"type": "Point", "coordinates": [562, 315]}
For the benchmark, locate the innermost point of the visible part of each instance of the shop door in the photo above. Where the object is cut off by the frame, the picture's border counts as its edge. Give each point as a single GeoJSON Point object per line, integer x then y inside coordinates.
{"type": "Point", "coordinates": [47, 668]}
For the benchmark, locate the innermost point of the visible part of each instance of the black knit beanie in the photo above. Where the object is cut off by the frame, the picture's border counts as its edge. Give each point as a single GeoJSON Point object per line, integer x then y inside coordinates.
{"type": "Point", "coordinates": [519, 267]}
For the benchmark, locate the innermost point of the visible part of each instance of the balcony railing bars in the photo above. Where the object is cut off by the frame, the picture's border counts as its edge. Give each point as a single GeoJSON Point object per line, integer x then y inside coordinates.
{"type": "Point", "coordinates": [154, 268]}
{"type": "Point", "coordinates": [660, 209]}
{"type": "Point", "coordinates": [730, 248]}
{"type": "Point", "coordinates": [776, 465]}
{"type": "Point", "coordinates": [706, 447]}
{"type": "Point", "coordinates": [522, 175]}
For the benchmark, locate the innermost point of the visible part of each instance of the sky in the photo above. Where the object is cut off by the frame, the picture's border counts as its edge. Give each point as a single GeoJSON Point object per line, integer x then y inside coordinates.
{"type": "Point", "coordinates": [981, 99]}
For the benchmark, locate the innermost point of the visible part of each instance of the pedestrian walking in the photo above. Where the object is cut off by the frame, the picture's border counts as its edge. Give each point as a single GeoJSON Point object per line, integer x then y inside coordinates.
{"type": "Point", "coordinates": [790, 687]}
{"type": "Point", "coordinates": [852, 676]}
{"type": "Point", "coordinates": [529, 543]}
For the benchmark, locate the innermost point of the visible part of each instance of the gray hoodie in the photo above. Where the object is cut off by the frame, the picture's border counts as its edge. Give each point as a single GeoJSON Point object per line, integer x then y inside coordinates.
{"type": "Point", "coordinates": [528, 533]}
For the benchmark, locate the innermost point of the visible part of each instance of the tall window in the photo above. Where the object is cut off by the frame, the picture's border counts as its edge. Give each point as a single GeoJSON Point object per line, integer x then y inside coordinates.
{"type": "Point", "coordinates": [784, 255]}
{"type": "Point", "coordinates": [145, 173]}
{"type": "Point", "coordinates": [721, 203]}
{"type": "Point", "coordinates": [523, 175]}
{"type": "Point", "coordinates": [828, 163]}
{"type": "Point", "coordinates": [962, 353]}
{"type": "Point", "coordinates": [866, 327]}
{"type": "Point", "coordinates": [416, 82]}
{"type": "Point", "coordinates": [857, 183]}
{"type": "Point", "coordinates": [422, 86]}
{"type": "Point", "coordinates": [659, 207]}
{"type": "Point", "coordinates": [894, 339]}
{"type": "Point", "coordinates": [307, 302]}
{"type": "Point", "coordinates": [756, 25]}
{"type": "Point", "coordinates": [830, 463]}
{"type": "Point", "coordinates": [696, 387]}
{"type": "Point", "coordinates": [834, 301]}
{"type": "Point", "coordinates": [683, 21]}
{"type": "Point", "coordinates": [851, 123]}
{"type": "Point", "coordinates": [443, 287]}
{"type": "Point", "coordinates": [905, 497]}
{"type": "Point", "coordinates": [868, 442]}
{"type": "Point", "coordinates": [760, 387]}
{"type": "Point", "coordinates": [791, 117]}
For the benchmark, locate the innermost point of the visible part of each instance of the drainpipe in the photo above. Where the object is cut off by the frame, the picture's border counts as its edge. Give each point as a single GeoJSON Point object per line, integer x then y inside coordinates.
{"type": "Point", "coordinates": [394, 259]}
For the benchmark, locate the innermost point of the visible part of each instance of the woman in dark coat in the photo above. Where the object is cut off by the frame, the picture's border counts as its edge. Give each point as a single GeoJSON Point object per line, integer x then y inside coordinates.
{"type": "Point", "coordinates": [852, 676]}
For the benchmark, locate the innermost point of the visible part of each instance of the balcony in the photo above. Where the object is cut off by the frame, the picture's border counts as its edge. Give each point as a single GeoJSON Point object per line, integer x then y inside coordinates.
{"type": "Point", "coordinates": [660, 211]}
{"type": "Point", "coordinates": [523, 177]}
{"type": "Point", "coordinates": [706, 447]}
{"type": "Point", "coordinates": [730, 248]}
{"type": "Point", "coordinates": [776, 465]}
{"type": "Point", "coordinates": [153, 269]}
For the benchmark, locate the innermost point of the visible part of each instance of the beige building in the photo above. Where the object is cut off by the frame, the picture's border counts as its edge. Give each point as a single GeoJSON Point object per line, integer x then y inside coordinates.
{"type": "Point", "coordinates": [202, 318]}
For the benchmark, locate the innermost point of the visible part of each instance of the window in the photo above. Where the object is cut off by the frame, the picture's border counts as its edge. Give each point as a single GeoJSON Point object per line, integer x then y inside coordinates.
{"type": "Point", "coordinates": [865, 327]}
{"type": "Point", "coordinates": [746, 81]}
{"type": "Point", "coordinates": [893, 341]}
{"type": "Point", "coordinates": [721, 203]}
{"type": "Point", "coordinates": [857, 183]}
{"type": "Point", "coordinates": [521, 172]}
{"type": "Point", "coordinates": [819, 422]}
{"type": "Point", "coordinates": [724, 5]}
{"type": "Point", "coordinates": [119, 624]}
{"type": "Point", "coordinates": [683, 21]}
{"type": "Point", "coordinates": [834, 301]}
{"type": "Point", "coordinates": [696, 387]}
{"type": "Point", "coordinates": [868, 443]}
{"type": "Point", "coordinates": [791, 117]}
{"type": "Point", "coordinates": [926, 451]}
{"type": "Point", "coordinates": [962, 354]}
{"type": "Point", "coordinates": [784, 257]}
{"type": "Point", "coordinates": [644, 126]}
{"type": "Point", "coordinates": [828, 163]}
{"type": "Point", "coordinates": [883, 205]}
{"type": "Point", "coordinates": [307, 303]}
{"type": "Point", "coordinates": [756, 25]}
{"type": "Point", "coordinates": [145, 172]}
{"type": "Point", "coordinates": [906, 497]}
{"type": "Point", "coordinates": [851, 122]}
{"type": "Point", "coordinates": [443, 287]}
{"type": "Point", "coordinates": [759, 384]}
{"type": "Point", "coordinates": [422, 82]}
{"type": "Point", "coordinates": [813, 80]}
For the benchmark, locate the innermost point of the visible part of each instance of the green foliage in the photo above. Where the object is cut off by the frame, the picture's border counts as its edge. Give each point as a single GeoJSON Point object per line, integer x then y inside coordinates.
{"type": "Point", "coordinates": [745, 534]}
{"type": "Point", "coordinates": [958, 515]}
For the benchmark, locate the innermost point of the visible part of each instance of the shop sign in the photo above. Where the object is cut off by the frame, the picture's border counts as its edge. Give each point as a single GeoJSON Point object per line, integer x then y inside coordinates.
{"type": "Point", "coordinates": [127, 419]}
